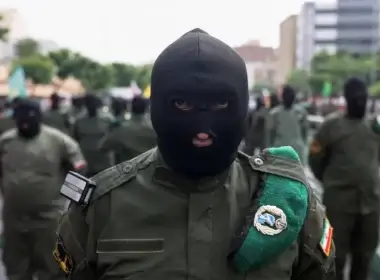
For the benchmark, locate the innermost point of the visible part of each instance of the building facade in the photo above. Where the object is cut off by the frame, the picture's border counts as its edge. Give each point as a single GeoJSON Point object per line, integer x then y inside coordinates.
{"type": "Point", "coordinates": [12, 20]}
{"type": "Point", "coordinates": [341, 25]}
{"type": "Point", "coordinates": [286, 52]}
{"type": "Point", "coordinates": [260, 62]}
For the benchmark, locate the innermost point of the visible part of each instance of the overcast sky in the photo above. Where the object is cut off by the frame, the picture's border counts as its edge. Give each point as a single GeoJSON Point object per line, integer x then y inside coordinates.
{"type": "Point", "coordinates": [137, 31]}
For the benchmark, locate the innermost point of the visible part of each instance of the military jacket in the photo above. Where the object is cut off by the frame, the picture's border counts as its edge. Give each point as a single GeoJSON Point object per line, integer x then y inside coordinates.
{"type": "Point", "coordinates": [147, 222]}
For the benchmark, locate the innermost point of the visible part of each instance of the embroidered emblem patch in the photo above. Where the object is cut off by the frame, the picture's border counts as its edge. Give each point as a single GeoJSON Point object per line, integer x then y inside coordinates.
{"type": "Point", "coordinates": [327, 238]}
{"type": "Point", "coordinates": [315, 147]}
{"type": "Point", "coordinates": [63, 258]}
{"type": "Point", "coordinates": [270, 220]}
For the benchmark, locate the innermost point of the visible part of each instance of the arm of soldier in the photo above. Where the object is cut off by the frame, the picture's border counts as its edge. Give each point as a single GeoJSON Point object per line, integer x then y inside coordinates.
{"type": "Point", "coordinates": [318, 150]}
{"type": "Point", "coordinates": [317, 250]}
{"type": "Point", "coordinates": [269, 128]}
{"type": "Point", "coordinates": [72, 155]}
{"type": "Point", "coordinates": [71, 249]}
{"type": "Point", "coordinates": [107, 143]}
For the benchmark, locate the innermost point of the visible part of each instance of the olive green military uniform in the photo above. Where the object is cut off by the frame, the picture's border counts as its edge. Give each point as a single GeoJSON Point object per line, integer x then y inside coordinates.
{"type": "Point", "coordinates": [255, 138]}
{"type": "Point", "coordinates": [288, 127]}
{"type": "Point", "coordinates": [88, 131]}
{"type": "Point", "coordinates": [129, 140]}
{"type": "Point", "coordinates": [32, 172]}
{"type": "Point", "coordinates": [6, 123]}
{"type": "Point", "coordinates": [147, 222]}
{"type": "Point", "coordinates": [345, 157]}
{"type": "Point", "coordinates": [57, 119]}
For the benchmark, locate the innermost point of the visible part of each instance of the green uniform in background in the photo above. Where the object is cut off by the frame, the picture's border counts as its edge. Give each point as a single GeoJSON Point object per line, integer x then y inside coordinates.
{"type": "Point", "coordinates": [255, 138]}
{"type": "Point", "coordinates": [57, 119]}
{"type": "Point", "coordinates": [344, 155]}
{"type": "Point", "coordinates": [88, 131]}
{"type": "Point", "coordinates": [288, 127]}
{"type": "Point", "coordinates": [6, 123]}
{"type": "Point", "coordinates": [32, 172]}
{"type": "Point", "coordinates": [129, 139]}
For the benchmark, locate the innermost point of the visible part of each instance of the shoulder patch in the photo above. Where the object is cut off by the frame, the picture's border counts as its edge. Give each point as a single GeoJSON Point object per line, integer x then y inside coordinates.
{"type": "Point", "coordinates": [62, 257]}
{"type": "Point", "coordinates": [278, 215]}
{"type": "Point", "coordinates": [327, 237]}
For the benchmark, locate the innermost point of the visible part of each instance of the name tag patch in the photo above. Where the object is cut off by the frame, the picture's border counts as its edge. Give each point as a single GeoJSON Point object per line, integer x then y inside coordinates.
{"type": "Point", "coordinates": [63, 258]}
{"type": "Point", "coordinates": [327, 237]}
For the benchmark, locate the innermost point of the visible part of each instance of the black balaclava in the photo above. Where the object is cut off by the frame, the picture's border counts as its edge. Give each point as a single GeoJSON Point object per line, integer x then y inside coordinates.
{"type": "Point", "coordinates": [356, 95]}
{"type": "Point", "coordinates": [55, 101]}
{"type": "Point", "coordinates": [27, 115]}
{"type": "Point", "coordinates": [77, 102]}
{"type": "Point", "coordinates": [288, 97]}
{"type": "Point", "coordinates": [199, 87]}
{"type": "Point", "coordinates": [259, 103]}
{"type": "Point", "coordinates": [92, 103]}
{"type": "Point", "coordinates": [118, 106]}
{"type": "Point", "coordinates": [139, 106]}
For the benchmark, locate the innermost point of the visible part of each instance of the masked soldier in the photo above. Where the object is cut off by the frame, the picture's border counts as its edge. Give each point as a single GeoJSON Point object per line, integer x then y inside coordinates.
{"type": "Point", "coordinates": [195, 208]}
{"type": "Point", "coordinates": [133, 137]}
{"type": "Point", "coordinates": [345, 157]}
{"type": "Point", "coordinates": [88, 130]}
{"type": "Point", "coordinates": [119, 108]}
{"type": "Point", "coordinates": [54, 117]}
{"type": "Point", "coordinates": [34, 161]}
{"type": "Point", "coordinates": [255, 137]}
{"type": "Point", "coordinates": [287, 124]}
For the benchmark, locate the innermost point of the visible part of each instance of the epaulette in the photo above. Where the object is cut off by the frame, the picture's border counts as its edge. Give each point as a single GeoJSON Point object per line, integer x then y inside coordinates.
{"type": "Point", "coordinates": [120, 174]}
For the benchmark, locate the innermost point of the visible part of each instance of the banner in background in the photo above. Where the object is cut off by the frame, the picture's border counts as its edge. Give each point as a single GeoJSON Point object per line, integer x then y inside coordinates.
{"type": "Point", "coordinates": [16, 83]}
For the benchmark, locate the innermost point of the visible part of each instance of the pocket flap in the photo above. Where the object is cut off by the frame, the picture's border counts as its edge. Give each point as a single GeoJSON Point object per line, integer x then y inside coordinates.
{"type": "Point", "coordinates": [130, 246]}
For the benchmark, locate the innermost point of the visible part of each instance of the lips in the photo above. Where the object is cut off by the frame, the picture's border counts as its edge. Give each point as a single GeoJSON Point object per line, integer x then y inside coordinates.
{"type": "Point", "coordinates": [202, 142]}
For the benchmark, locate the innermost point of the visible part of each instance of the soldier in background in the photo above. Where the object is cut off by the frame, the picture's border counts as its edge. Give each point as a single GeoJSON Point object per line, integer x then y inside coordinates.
{"type": "Point", "coordinates": [54, 117]}
{"type": "Point", "coordinates": [344, 156]}
{"type": "Point", "coordinates": [255, 138]}
{"type": "Point", "coordinates": [119, 108]}
{"type": "Point", "coordinates": [131, 138]}
{"type": "Point", "coordinates": [77, 109]}
{"type": "Point", "coordinates": [34, 160]}
{"type": "Point", "coordinates": [287, 124]}
{"type": "Point", "coordinates": [88, 130]}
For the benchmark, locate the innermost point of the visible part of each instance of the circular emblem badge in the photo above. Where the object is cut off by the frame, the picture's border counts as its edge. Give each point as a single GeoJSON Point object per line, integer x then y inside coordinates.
{"type": "Point", "coordinates": [270, 220]}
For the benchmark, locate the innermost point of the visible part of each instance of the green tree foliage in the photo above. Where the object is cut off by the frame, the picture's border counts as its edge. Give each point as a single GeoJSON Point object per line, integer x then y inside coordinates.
{"type": "Point", "coordinates": [27, 47]}
{"type": "Point", "coordinates": [299, 79]}
{"type": "Point", "coordinates": [143, 75]}
{"type": "Point", "coordinates": [124, 74]}
{"type": "Point", "coordinates": [37, 68]}
{"type": "Point", "coordinates": [3, 30]}
{"type": "Point", "coordinates": [260, 87]}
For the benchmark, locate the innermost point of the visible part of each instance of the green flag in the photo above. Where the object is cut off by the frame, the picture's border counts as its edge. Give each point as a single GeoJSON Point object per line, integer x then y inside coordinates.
{"type": "Point", "coordinates": [327, 89]}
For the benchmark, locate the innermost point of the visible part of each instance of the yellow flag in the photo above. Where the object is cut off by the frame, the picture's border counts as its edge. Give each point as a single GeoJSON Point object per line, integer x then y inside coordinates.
{"type": "Point", "coordinates": [146, 93]}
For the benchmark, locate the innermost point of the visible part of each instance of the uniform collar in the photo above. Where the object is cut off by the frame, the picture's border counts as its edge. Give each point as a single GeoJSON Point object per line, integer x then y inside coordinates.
{"type": "Point", "coordinates": [164, 175]}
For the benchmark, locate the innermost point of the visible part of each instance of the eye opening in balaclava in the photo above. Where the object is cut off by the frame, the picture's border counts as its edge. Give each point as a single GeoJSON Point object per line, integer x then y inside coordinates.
{"type": "Point", "coordinates": [288, 96]}
{"type": "Point", "coordinates": [198, 132]}
{"type": "Point", "coordinates": [356, 96]}
{"type": "Point", "coordinates": [27, 115]}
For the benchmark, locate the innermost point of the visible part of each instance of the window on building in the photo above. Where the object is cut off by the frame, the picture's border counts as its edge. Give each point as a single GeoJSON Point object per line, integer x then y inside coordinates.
{"type": "Point", "coordinates": [326, 19]}
{"type": "Point", "coordinates": [326, 34]}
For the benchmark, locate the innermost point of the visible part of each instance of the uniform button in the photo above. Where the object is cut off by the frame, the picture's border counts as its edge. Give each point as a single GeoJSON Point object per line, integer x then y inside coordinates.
{"type": "Point", "coordinates": [258, 161]}
{"type": "Point", "coordinates": [127, 168]}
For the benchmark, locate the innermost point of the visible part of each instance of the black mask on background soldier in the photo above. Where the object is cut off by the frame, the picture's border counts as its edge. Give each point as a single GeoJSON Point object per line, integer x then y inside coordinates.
{"type": "Point", "coordinates": [139, 106]}
{"type": "Point", "coordinates": [118, 106]}
{"type": "Point", "coordinates": [288, 96]}
{"type": "Point", "coordinates": [93, 103]}
{"type": "Point", "coordinates": [199, 104]}
{"type": "Point", "coordinates": [356, 95]}
{"type": "Point", "coordinates": [55, 101]}
{"type": "Point", "coordinates": [27, 115]}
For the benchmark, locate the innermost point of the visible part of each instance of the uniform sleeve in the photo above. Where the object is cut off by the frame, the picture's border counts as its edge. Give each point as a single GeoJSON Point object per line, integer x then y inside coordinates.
{"type": "Point", "coordinates": [72, 155]}
{"type": "Point", "coordinates": [70, 250]}
{"type": "Point", "coordinates": [318, 151]}
{"type": "Point", "coordinates": [317, 250]}
{"type": "Point", "coordinates": [107, 143]}
{"type": "Point", "coordinates": [304, 126]}
{"type": "Point", "coordinates": [269, 129]}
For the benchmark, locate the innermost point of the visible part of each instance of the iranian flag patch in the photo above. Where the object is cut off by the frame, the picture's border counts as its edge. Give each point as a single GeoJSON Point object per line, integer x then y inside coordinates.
{"type": "Point", "coordinates": [327, 238]}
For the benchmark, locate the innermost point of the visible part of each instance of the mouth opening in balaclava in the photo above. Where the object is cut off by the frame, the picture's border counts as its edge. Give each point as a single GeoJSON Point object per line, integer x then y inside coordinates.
{"type": "Point", "coordinates": [199, 104]}
{"type": "Point", "coordinates": [27, 116]}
